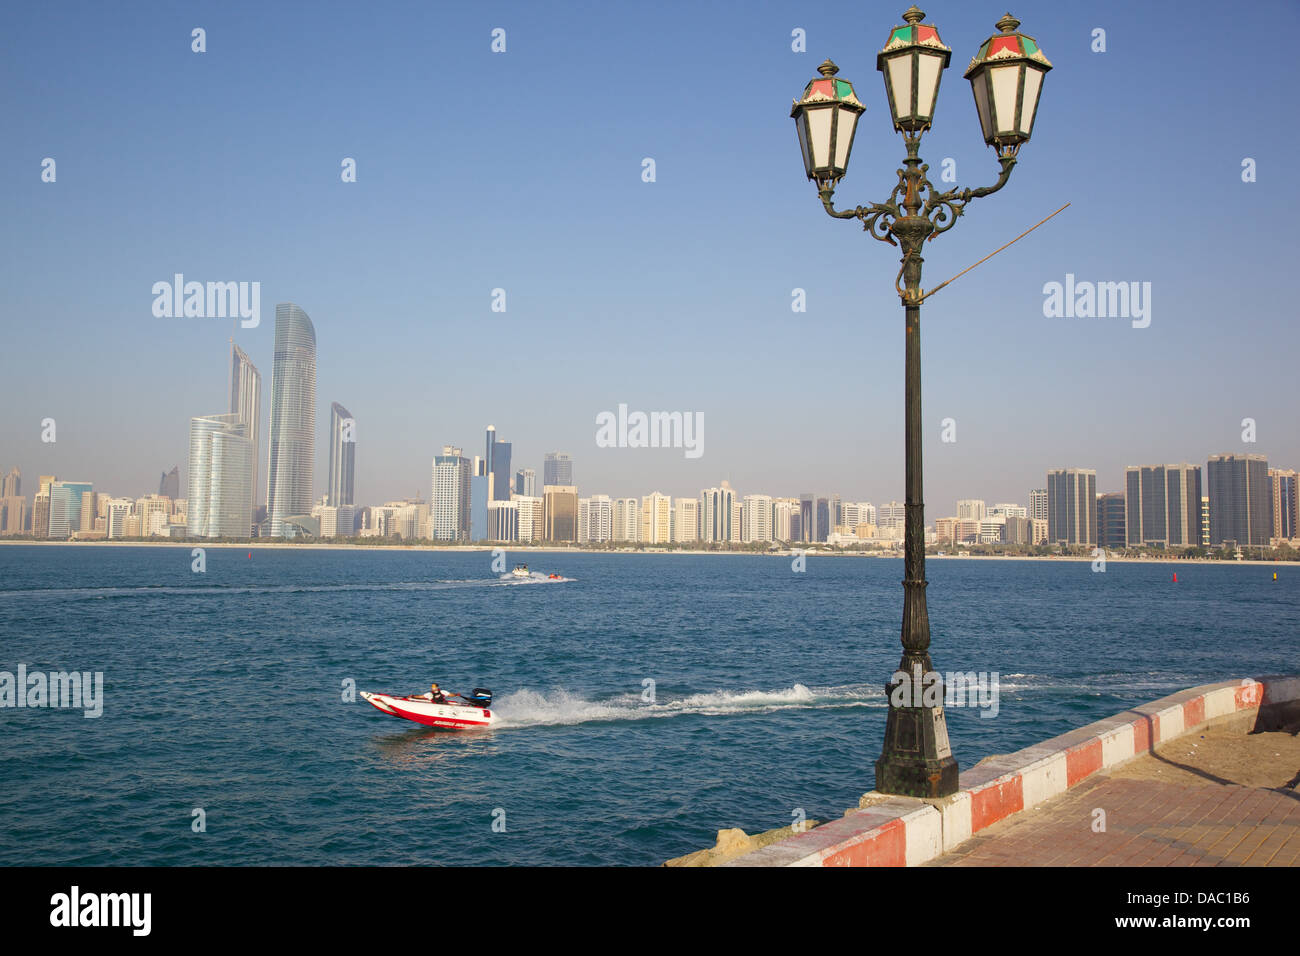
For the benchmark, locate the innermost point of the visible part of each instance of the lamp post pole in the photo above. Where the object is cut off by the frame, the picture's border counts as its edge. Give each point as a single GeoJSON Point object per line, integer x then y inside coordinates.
{"type": "Point", "coordinates": [916, 759]}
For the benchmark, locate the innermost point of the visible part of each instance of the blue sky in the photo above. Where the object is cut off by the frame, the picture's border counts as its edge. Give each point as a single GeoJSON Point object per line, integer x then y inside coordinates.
{"type": "Point", "coordinates": [522, 171]}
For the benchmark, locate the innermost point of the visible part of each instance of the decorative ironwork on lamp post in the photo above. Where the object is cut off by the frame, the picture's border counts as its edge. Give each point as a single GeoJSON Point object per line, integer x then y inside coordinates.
{"type": "Point", "coordinates": [1006, 77]}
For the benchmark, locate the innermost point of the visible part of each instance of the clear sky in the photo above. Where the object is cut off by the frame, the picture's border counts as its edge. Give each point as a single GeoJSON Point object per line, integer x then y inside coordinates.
{"type": "Point", "coordinates": [522, 171]}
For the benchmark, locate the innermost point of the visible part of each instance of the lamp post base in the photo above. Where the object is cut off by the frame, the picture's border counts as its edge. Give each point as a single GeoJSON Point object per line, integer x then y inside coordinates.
{"type": "Point", "coordinates": [917, 760]}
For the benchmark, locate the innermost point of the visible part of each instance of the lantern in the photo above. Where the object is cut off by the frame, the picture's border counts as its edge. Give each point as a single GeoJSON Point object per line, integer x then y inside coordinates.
{"type": "Point", "coordinates": [913, 61]}
{"type": "Point", "coordinates": [825, 118]}
{"type": "Point", "coordinates": [1007, 78]}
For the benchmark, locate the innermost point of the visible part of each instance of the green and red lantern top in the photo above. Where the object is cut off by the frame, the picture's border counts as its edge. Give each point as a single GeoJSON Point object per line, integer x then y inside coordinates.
{"type": "Point", "coordinates": [1006, 76]}
{"type": "Point", "coordinates": [826, 117]}
{"type": "Point", "coordinates": [913, 60]}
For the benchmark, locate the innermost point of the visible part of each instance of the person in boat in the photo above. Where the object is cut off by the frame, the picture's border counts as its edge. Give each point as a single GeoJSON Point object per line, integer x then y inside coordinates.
{"type": "Point", "coordinates": [436, 695]}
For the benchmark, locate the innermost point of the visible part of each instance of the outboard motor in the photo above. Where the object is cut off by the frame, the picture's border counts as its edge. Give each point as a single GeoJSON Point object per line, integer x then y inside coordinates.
{"type": "Point", "coordinates": [482, 697]}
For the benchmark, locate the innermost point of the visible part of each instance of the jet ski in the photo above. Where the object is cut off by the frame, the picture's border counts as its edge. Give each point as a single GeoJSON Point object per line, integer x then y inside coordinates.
{"type": "Point", "coordinates": [469, 712]}
{"type": "Point", "coordinates": [521, 571]}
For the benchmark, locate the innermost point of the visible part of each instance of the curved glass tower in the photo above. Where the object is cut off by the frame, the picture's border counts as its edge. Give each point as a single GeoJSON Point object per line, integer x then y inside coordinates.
{"type": "Point", "coordinates": [293, 418]}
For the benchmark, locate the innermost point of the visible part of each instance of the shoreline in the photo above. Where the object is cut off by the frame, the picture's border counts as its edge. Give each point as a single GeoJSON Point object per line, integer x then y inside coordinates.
{"type": "Point", "coordinates": [488, 549]}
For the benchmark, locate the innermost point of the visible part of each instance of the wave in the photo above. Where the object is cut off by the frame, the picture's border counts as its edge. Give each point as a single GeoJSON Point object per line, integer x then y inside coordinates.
{"type": "Point", "coordinates": [530, 708]}
{"type": "Point", "coordinates": [228, 589]}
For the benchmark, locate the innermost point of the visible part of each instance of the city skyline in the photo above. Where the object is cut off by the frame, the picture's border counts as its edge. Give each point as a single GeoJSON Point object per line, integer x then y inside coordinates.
{"type": "Point", "coordinates": [598, 309]}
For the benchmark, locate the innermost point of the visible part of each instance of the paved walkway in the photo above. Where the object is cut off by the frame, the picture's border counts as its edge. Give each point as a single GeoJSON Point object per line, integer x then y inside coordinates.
{"type": "Point", "coordinates": [1215, 799]}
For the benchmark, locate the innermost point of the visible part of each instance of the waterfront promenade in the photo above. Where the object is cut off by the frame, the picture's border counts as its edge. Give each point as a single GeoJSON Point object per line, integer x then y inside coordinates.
{"type": "Point", "coordinates": [1220, 797]}
{"type": "Point", "coordinates": [1205, 777]}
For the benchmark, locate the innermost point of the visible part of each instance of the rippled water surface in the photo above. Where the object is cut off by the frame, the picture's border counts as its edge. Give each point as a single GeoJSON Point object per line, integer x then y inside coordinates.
{"type": "Point", "coordinates": [223, 691]}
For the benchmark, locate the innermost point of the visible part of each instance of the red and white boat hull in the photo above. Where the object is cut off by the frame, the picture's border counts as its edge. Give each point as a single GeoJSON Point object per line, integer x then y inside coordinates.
{"type": "Point", "coordinates": [426, 712]}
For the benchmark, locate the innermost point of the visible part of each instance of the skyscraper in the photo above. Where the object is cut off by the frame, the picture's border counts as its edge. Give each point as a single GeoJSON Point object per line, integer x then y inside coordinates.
{"type": "Point", "coordinates": [807, 527]}
{"type": "Point", "coordinates": [625, 519]}
{"type": "Point", "coordinates": [686, 519]}
{"type": "Point", "coordinates": [526, 482]}
{"type": "Point", "coordinates": [169, 485]}
{"type": "Point", "coordinates": [756, 520]}
{"type": "Point", "coordinates": [498, 466]}
{"type": "Point", "coordinates": [557, 469]}
{"type": "Point", "coordinates": [560, 503]}
{"type": "Point", "coordinates": [656, 518]}
{"type": "Point", "coordinates": [1285, 500]}
{"type": "Point", "coordinates": [1163, 505]}
{"type": "Point", "coordinates": [343, 452]}
{"type": "Point", "coordinates": [246, 402]}
{"type": "Point", "coordinates": [1241, 500]}
{"type": "Point", "coordinates": [13, 483]}
{"type": "Point", "coordinates": [220, 502]}
{"type": "Point", "coordinates": [293, 418]}
{"type": "Point", "coordinates": [823, 519]}
{"type": "Point", "coordinates": [450, 514]}
{"type": "Point", "coordinates": [595, 519]}
{"type": "Point", "coordinates": [716, 514]}
{"type": "Point", "coordinates": [1072, 506]}
{"type": "Point", "coordinates": [65, 507]}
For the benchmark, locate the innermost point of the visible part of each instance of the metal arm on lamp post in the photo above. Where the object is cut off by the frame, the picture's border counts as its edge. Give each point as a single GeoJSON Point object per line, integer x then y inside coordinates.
{"type": "Point", "coordinates": [1006, 77]}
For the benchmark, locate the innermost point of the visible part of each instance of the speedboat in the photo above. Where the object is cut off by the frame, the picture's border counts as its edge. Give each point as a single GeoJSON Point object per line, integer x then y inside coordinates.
{"type": "Point", "coordinates": [521, 571]}
{"type": "Point", "coordinates": [472, 713]}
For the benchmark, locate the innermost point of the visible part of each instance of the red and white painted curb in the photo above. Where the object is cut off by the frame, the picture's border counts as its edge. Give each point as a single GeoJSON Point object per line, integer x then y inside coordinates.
{"type": "Point", "coordinates": [903, 831]}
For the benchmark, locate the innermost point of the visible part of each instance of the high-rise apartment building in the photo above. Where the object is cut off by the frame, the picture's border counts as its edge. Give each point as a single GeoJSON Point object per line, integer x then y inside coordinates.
{"type": "Point", "coordinates": [1241, 500]}
{"type": "Point", "coordinates": [972, 508]}
{"type": "Point", "coordinates": [1072, 506]}
{"type": "Point", "coordinates": [716, 514]}
{"type": "Point", "coordinates": [14, 508]}
{"type": "Point", "coordinates": [343, 456]}
{"type": "Point", "coordinates": [656, 518]}
{"type": "Point", "coordinates": [41, 514]}
{"type": "Point", "coordinates": [450, 500]}
{"type": "Point", "coordinates": [1282, 484]}
{"type": "Point", "coordinates": [626, 519]}
{"type": "Point", "coordinates": [1163, 505]}
{"type": "Point", "coordinates": [530, 514]}
{"type": "Point", "coordinates": [293, 419]}
{"type": "Point", "coordinates": [220, 502]}
{"type": "Point", "coordinates": [893, 518]}
{"type": "Point", "coordinates": [686, 519]}
{"type": "Point", "coordinates": [246, 402]}
{"type": "Point", "coordinates": [526, 482]}
{"type": "Point", "coordinates": [13, 483]}
{"type": "Point", "coordinates": [1038, 504]}
{"type": "Point", "coordinates": [756, 518]}
{"type": "Point", "coordinates": [595, 519]}
{"type": "Point", "coordinates": [785, 518]}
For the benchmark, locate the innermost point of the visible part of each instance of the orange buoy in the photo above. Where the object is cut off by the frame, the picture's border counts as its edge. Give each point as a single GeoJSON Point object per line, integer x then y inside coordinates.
{"type": "Point", "coordinates": [1175, 577]}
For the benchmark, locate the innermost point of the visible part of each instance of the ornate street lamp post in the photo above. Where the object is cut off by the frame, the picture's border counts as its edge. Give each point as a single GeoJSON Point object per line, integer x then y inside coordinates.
{"type": "Point", "coordinates": [1006, 76]}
